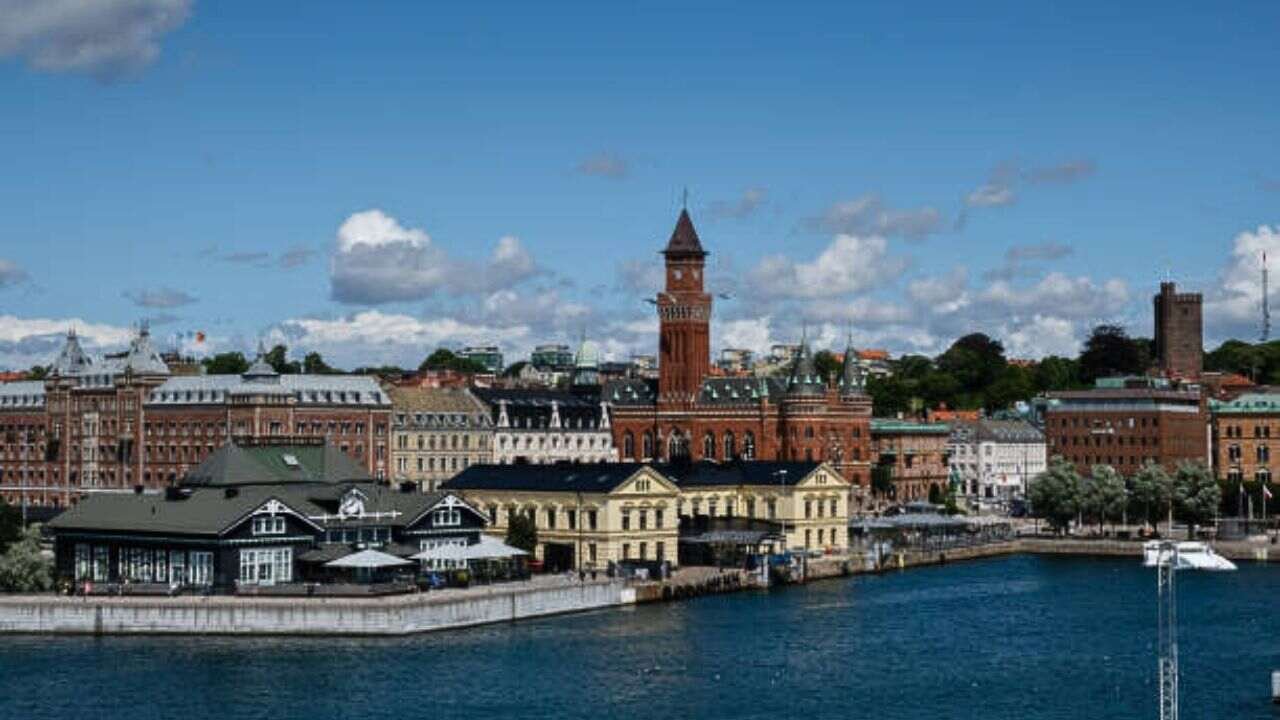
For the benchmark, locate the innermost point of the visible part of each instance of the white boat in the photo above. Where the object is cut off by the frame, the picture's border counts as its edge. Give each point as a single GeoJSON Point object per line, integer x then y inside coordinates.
{"type": "Point", "coordinates": [1191, 556]}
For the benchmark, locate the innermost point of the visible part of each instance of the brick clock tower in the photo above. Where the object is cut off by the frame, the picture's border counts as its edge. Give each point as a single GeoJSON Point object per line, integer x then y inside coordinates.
{"type": "Point", "coordinates": [684, 316]}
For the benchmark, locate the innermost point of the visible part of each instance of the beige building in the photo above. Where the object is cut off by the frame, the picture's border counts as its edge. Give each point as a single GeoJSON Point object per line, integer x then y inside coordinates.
{"type": "Point", "coordinates": [599, 513]}
{"type": "Point", "coordinates": [437, 433]}
{"type": "Point", "coordinates": [809, 499]}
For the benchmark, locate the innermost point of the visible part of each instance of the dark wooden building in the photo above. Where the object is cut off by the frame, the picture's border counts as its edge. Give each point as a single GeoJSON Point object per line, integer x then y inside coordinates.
{"type": "Point", "coordinates": [254, 515]}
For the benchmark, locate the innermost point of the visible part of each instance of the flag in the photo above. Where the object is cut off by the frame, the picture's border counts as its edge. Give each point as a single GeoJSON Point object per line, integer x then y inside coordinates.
{"type": "Point", "coordinates": [199, 336]}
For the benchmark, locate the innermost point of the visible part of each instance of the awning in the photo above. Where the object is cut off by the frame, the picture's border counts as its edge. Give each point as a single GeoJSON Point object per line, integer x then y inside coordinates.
{"type": "Point", "coordinates": [368, 559]}
{"type": "Point", "coordinates": [487, 549]}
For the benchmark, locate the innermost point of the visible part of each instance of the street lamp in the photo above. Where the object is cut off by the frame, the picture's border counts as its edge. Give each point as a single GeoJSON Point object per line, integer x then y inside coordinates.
{"type": "Point", "coordinates": [782, 489]}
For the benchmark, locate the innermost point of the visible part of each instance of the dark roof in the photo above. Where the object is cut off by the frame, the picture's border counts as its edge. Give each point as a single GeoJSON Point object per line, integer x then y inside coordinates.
{"type": "Point", "coordinates": [804, 380]}
{"type": "Point", "coordinates": [588, 478]}
{"type": "Point", "coordinates": [729, 391]}
{"type": "Point", "coordinates": [755, 472]}
{"type": "Point", "coordinates": [532, 407]}
{"type": "Point", "coordinates": [233, 464]}
{"type": "Point", "coordinates": [684, 239]}
{"type": "Point", "coordinates": [852, 379]}
{"type": "Point", "coordinates": [630, 392]}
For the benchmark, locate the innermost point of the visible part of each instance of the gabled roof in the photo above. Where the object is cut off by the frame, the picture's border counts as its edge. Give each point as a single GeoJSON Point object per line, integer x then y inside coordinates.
{"type": "Point", "coordinates": [587, 478]}
{"type": "Point", "coordinates": [275, 464]}
{"type": "Point", "coordinates": [755, 472]}
{"type": "Point", "coordinates": [204, 512]}
{"type": "Point", "coordinates": [684, 239]}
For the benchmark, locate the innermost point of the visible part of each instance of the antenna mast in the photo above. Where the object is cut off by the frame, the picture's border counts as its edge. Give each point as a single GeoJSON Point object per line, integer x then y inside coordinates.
{"type": "Point", "coordinates": [1266, 307]}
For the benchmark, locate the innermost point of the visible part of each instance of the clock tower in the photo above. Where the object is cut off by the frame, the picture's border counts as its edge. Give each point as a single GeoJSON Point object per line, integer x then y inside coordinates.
{"type": "Point", "coordinates": [684, 316]}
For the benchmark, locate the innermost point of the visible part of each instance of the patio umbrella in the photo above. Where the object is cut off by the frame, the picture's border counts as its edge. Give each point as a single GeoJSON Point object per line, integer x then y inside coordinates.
{"type": "Point", "coordinates": [369, 560]}
{"type": "Point", "coordinates": [491, 548]}
{"type": "Point", "coordinates": [442, 552]}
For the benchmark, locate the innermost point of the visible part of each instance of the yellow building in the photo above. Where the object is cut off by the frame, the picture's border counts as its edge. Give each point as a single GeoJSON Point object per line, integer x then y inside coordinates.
{"type": "Point", "coordinates": [437, 433]}
{"type": "Point", "coordinates": [610, 512]}
{"type": "Point", "coordinates": [601, 513]}
{"type": "Point", "coordinates": [810, 500]}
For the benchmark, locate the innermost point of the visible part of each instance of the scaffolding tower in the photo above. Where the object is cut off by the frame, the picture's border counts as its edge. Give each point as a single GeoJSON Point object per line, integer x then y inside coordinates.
{"type": "Point", "coordinates": [1167, 599]}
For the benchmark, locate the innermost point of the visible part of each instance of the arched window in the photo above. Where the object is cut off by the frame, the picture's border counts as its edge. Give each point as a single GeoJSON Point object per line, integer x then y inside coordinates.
{"type": "Point", "coordinates": [677, 445]}
{"type": "Point", "coordinates": [730, 445]}
{"type": "Point", "coordinates": [648, 444]}
{"type": "Point", "coordinates": [808, 432]}
{"type": "Point", "coordinates": [709, 445]}
{"type": "Point", "coordinates": [749, 446]}
{"type": "Point", "coordinates": [629, 446]}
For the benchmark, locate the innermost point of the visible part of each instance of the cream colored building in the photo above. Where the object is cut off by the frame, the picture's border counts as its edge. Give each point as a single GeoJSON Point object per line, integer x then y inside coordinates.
{"type": "Point", "coordinates": [437, 433]}
{"type": "Point", "coordinates": [601, 513]}
{"type": "Point", "coordinates": [809, 499]}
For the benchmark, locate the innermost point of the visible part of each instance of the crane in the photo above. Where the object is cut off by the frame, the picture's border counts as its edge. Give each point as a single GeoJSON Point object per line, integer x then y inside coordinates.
{"type": "Point", "coordinates": [1167, 600]}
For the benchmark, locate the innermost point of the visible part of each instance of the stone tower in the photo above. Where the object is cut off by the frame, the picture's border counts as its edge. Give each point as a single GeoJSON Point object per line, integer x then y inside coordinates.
{"type": "Point", "coordinates": [1179, 337]}
{"type": "Point", "coordinates": [684, 315]}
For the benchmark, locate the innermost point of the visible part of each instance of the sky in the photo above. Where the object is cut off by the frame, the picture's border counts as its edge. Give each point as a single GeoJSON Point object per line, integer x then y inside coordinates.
{"type": "Point", "coordinates": [372, 181]}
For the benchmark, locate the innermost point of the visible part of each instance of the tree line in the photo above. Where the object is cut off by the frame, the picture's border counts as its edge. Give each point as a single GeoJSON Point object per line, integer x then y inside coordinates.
{"type": "Point", "coordinates": [313, 363]}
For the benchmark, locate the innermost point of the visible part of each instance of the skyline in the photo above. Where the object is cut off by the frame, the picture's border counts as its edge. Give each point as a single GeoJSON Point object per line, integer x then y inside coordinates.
{"type": "Point", "coordinates": [373, 184]}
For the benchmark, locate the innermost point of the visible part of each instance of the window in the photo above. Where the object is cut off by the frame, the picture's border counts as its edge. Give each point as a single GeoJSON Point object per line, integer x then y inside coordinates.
{"type": "Point", "coordinates": [266, 566]}
{"type": "Point", "coordinates": [644, 550]}
{"type": "Point", "coordinates": [709, 445]}
{"type": "Point", "coordinates": [551, 518]}
{"type": "Point", "coordinates": [808, 509]}
{"type": "Point", "coordinates": [659, 551]}
{"type": "Point", "coordinates": [748, 446]}
{"type": "Point", "coordinates": [628, 446]}
{"type": "Point", "coordinates": [644, 522]}
{"type": "Point", "coordinates": [445, 517]}
{"type": "Point", "coordinates": [657, 518]}
{"type": "Point", "coordinates": [626, 551]}
{"type": "Point", "coordinates": [82, 561]}
{"type": "Point", "coordinates": [647, 445]}
{"type": "Point", "coordinates": [626, 519]}
{"type": "Point", "coordinates": [592, 517]}
{"type": "Point", "coordinates": [268, 525]}
{"type": "Point", "coordinates": [730, 447]}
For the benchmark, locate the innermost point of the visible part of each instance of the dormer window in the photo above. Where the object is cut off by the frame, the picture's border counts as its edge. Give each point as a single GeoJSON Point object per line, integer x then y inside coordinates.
{"type": "Point", "coordinates": [446, 517]}
{"type": "Point", "coordinates": [268, 525]}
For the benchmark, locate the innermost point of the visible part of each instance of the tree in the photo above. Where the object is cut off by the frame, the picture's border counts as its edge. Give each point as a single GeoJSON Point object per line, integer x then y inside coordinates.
{"type": "Point", "coordinates": [1103, 494]}
{"type": "Point", "coordinates": [1013, 384]}
{"type": "Point", "coordinates": [22, 566]}
{"type": "Point", "coordinates": [522, 532]}
{"type": "Point", "coordinates": [278, 359]}
{"type": "Point", "coordinates": [1056, 373]}
{"type": "Point", "coordinates": [445, 359]}
{"type": "Point", "coordinates": [974, 360]}
{"type": "Point", "coordinates": [10, 524]}
{"type": "Point", "coordinates": [889, 395]}
{"type": "Point", "coordinates": [1055, 494]}
{"type": "Point", "coordinates": [882, 480]}
{"type": "Point", "coordinates": [1110, 351]}
{"type": "Point", "coordinates": [824, 361]}
{"type": "Point", "coordinates": [37, 372]}
{"type": "Point", "coordinates": [314, 364]}
{"type": "Point", "coordinates": [228, 363]}
{"type": "Point", "coordinates": [1152, 489]}
{"type": "Point", "coordinates": [1196, 495]}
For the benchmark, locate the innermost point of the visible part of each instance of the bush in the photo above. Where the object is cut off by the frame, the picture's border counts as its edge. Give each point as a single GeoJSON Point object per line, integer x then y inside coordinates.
{"type": "Point", "coordinates": [23, 568]}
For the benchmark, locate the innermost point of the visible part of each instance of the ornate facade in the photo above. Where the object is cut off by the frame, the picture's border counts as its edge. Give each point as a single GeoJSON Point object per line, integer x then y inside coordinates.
{"type": "Point", "coordinates": [437, 433]}
{"type": "Point", "coordinates": [688, 414]}
{"type": "Point", "coordinates": [124, 421]}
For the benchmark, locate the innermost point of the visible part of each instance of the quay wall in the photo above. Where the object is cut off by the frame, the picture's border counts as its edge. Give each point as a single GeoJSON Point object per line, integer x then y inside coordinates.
{"type": "Point", "coordinates": [398, 615]}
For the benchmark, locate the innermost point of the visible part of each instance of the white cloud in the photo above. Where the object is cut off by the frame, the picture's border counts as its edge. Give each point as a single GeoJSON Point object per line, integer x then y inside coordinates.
{"type": "Point", "coordinates": [1233, 308]}
{"type": "Point", "coordinates": [1042, 335]}
{"type": "Point", "coordinates": [375, 229]}
{"type": "Point", "coordinates": [36, 341]}
{"type": "Point", "coordinates": [944, 294]}
{"type": "Point", "coordinates": [849, 264]}
{"type": "Point", "coordinates": [105, 38]}
{"type": "Point", "coordinates": [752, 199]}
{"type": "Point", "coordinates": [868, 215]}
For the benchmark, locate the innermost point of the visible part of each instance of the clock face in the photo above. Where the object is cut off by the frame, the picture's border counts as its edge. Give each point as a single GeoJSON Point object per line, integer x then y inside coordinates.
{"type": "Point", "coordinates": [351, 506]}
{"type": "Point", "coordinates": [677, 274]}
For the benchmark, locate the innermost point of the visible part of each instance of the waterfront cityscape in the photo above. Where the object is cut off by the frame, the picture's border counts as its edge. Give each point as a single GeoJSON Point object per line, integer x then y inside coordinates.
{"type": "Point", "coordinates": [700, 433]}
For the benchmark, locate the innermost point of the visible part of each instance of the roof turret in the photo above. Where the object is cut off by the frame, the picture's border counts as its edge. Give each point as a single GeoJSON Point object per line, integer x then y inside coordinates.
{"type": "Point", "coordinates": [804, 380]}
{"type": "Point", "coordinates": [684, 239]}
{"type": "Point", "coordinates": [142, 358]}
{"type": "Point", "coordinates": [261, 370]}
{"type": "Point", "coordinates": [72, 359]}
{"type": "Point", "coordinates": [853, 381]}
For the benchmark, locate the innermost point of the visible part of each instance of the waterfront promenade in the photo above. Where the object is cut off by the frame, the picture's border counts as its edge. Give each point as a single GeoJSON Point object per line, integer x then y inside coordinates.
{"type": "Point", "coordinates": [460, 608]}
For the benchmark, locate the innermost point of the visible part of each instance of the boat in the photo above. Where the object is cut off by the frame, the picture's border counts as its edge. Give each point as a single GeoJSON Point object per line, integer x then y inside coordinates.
{"type": "Point", "coordinates": [1191, 556]}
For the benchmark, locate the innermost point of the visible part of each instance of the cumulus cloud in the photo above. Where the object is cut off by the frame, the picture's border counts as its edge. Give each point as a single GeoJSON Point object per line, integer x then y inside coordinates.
{"type": "Point", "coordinates": [868, 215]}
{"type": "Point", "coordinates": [11, 274]}
{"type": "Point", "coordinates": [103, 38]}
{"type": "Point", "coordinates": [849, 264]}
{"type": "Point", "coordinates": [643, 277]}
{"type": "Point", "coordinates": [945, 294]}
{"type": "Point", "coordinates": [377, 260]}
{"type": "Point", "coordinates": [1233, 308]}
{"type": "Point", "coordinates": [752, 199]}
{"type": "Point", "coordinates": [605, 165]}
{"type": "Point", "coordinates": [25, 342]}
{"type": "Point", "coordinates": [159, 298]}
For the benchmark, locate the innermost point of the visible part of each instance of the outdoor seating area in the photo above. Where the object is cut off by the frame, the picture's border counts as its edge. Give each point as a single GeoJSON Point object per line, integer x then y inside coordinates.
{"type": "Point", "coordinates": [928, 531]}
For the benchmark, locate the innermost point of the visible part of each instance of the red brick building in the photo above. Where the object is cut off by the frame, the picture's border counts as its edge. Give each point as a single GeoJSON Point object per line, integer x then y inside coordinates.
{"type": "Point", "coordinates": [689, 413]}
{"type": "Point", "coordinates": [1179, 332]}
{"type": "Point", "coordinates": [125, 421]}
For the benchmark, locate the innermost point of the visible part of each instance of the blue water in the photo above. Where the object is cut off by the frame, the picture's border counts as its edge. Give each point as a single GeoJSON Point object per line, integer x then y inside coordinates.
{"type": "Point", "coordinates": [1019, 637]}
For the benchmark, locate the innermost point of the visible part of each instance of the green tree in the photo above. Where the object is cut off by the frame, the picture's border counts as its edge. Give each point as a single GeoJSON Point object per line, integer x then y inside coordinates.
{"type": "Point", "coordinates": [445, 359]}
{"type": "Point", "coordinates": [974, 361]}
{"type": "Point", "coordinates": [1055, 494]}
{"type": "Point", "coordinates": [522, 532]}
{"type": "Point", "coordinates": [1152, 490]}
{"type": "Point", "coordinates": [1103, 495]}
{"type": "Point", "coordinates": [1056, 373]}
{"type": "Point", "coordinates": [882, 480]}
{"type": "Point", "coordinates": [1013, 384]}
{"type": "Point", "coordinates": [824, 361]}
{"type": "Point", "coordinates": [278, 359]}
{"type": "Point", "coordinates": [23, 568]}
{"type": "Point", "coordinates": [1196, 495]}
{"type": "Point", "coordinates": [889, 395]}
{"type": "Point", "coordinates": [10, 524]}
{"type": "Point", "coordinates": [37, 372]}
{"type": "Point", "coordinates": [1110, 351]}
{"type": "Point", "coordinates": [314, 364]}
{"type": "Point", "coordinates": [228, 363]}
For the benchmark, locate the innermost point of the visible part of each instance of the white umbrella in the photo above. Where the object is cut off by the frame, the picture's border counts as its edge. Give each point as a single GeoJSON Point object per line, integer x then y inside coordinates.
{"type": "Point", "coordinates": [368, 559]}
{"type": "Point", "coordinates": [442, 552]}
{"type": "Point", "coordinates": [492, 548]}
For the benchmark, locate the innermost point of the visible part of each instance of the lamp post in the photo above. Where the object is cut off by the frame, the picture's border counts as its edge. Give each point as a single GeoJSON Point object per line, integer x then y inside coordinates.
{"type": "Point", "coordinates": [782, 489]}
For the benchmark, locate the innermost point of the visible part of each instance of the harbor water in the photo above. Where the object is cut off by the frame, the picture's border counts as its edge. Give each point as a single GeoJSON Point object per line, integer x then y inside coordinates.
{"type": "Point", "coordinates": [1021, 637]}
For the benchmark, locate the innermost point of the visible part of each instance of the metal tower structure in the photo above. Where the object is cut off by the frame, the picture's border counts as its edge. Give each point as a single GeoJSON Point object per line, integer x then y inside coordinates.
{"type": "Point", "coordinates": [1266, 306]}
{"type": "Point", "coordinates": [1167, 599]}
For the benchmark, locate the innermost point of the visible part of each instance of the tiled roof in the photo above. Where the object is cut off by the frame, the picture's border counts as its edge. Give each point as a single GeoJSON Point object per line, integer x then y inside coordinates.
{"type": "Point", "coordinates": [275, 464]}
{"type": "Point", "coordinates": [357, 390]}
{"type": "Point", "coordinates": [22, 395]}
{"type": "Point", "coordinates": [587, 478]}
{"type": "Point", "coordinates": [684, 239]}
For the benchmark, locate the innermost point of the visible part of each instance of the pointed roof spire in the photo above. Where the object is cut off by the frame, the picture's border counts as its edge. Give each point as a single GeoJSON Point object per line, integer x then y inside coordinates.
{"type": "Point", "coordinates": [804, 379]}
{"type": "Point", "coordinates": [261, 369]}
{"type": "Point", "coordinates": [684, 239]}
{"type": "Point", "coordinates": [852, 380]}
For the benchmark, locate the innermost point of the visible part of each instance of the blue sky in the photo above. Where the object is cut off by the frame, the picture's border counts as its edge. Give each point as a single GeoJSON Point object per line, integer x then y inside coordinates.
{"type": "Point", "coordinates": [371, 182]}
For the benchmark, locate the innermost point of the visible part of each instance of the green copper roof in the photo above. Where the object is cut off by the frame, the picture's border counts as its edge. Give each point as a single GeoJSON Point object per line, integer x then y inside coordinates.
{"type": "Point", "coordinates": [893, 425]}
{"type": "Point", "coordinates": [1250, 404]}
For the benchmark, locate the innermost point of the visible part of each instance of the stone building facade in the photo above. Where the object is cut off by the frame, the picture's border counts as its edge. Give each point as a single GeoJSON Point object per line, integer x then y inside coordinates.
{"type": "Point", "coordinates": [995, 460]}
{"type": "Point", "coordinates": [124, 421]}
{"type": "Point", "coordinates": [1178, 332]}
{"type": "Point", "coordinates": [1244, 431]}
{"type": "Point", "coordinates": [914, 454]}
{"type": "Point", "coordinates": [437, 433]}
{"type": "Point", "coordinates": [689, 414]}
{"type": "Point", "coordinates": [1125, 423]}
{"type": "Point", "coordinates": [541, 427]}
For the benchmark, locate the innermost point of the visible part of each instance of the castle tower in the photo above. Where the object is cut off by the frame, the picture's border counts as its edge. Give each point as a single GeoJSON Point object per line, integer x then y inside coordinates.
{"type": "Point", "coordinates": [684, 315]}
{"type": "Point", "coordinates": [1179, 327]}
